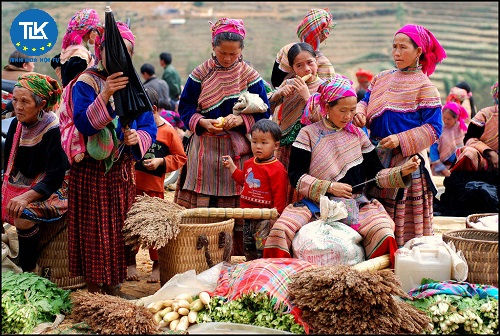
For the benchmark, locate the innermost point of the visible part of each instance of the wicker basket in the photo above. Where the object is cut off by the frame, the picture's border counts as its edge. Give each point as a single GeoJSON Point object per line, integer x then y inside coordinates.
{"type": "Point", "coordinates": [204, 239]}
{"type": "Point", "coordinates": [476, 217]}
{"type": "Point", "coordinates": [53, 260]}
{"type": "Point", "coordinates": [480, 248]}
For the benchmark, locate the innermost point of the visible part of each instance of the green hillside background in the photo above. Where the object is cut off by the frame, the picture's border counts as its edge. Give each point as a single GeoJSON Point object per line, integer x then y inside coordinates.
{"type": "Point", "coordinates": [362, 37]}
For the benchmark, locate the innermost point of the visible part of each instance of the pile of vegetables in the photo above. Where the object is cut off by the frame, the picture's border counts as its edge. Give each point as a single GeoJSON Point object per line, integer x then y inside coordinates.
{"type": "Point", "coordinates": [455, 314]}
{"type": "Point", "coordinates": [28, 300]}
{"type": "Point", "coordinates": [250, 308]}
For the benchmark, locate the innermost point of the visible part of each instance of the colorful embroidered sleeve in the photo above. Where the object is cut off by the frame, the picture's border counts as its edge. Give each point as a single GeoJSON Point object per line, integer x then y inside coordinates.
{"type": "Point", "coordinates": [417, 139]}
{"type": "Point", "coordinates": [312, 187]}
{"type": "Point", "coordinates": [477, 144]}
{"type": "Point", "coordinates": [188, 103]}
{"type": "Point", "coordinates": [146, 129]}
{"type": "Point", "coordinates": [391, 178]}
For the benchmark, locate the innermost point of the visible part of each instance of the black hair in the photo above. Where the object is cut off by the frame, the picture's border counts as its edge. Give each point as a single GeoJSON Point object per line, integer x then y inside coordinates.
{"type": "Point", "coordinates": [360, 94]}
{"type": "Point", "coordinates": [296, 49]}
{"type": "Point", "coordinates": [227, 36]}
{"type": "Point", "coordinates": [148, 68]}
{"type": "Point", "coordinates": [164, 103]}
{"type": "Point", "coordinates": [153, 95]}
{"type": "Point", "coordinates": [464, 85]}
{"type": "Point", "coordinates": [18, 59]}
{"type": "Point", "coordinates": [166, 57]}
{"type": "Point", "coordinates": [268, 126]}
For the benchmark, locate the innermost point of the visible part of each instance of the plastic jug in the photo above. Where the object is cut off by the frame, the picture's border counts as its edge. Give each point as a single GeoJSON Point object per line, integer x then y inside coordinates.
{"type": "Point", "coordinates": [411, 266]}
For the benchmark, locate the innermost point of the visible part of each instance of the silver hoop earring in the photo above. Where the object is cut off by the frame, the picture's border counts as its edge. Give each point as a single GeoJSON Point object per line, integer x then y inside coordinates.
{"type": "Point", "coordinates": [40, 115]}
{"type": "Point", "coordinates": [418, 64]}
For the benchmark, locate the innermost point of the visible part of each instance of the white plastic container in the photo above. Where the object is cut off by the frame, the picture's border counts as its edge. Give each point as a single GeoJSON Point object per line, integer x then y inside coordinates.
{"type": "Point", "coordinates": [411, 266]}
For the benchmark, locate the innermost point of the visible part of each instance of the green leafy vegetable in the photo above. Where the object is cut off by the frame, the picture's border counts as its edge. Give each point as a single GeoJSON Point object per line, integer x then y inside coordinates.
{"type": "Point", "coordinates": [28, 300]}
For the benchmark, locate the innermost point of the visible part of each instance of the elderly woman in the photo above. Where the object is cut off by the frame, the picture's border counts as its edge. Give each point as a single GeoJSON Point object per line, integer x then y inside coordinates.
{"type": "Point", "coordinates": [402, 111]}
{"type": "Point", "coordinates": [34, 188]}
{"type": "Point", "coordinates": [204, 180]}
{"type": "Point", "coordinates": [314, 29]}
{"type": "Point", "coordinates": [332, 157]}
{"type": "Point", "coordinates": [77, 45]}
{"type": "Point", "coordinates": [102, 186]}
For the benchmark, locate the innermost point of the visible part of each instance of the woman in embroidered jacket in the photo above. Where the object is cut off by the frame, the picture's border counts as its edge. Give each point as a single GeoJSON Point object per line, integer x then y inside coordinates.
{"type": "Point", "coordinates": [481, 140]}
{"type": "Point", "coordinates": [402, 110]}
{"type": "Point", "coordinates": [442, 152]}
{"type": "Point", "coordinates": [332, 157]}
{"type": "Point", "coordinates": [36, 160]}
{"type": "Point", "coordinates": [102, 186]}
{"type": "Point", "coordinates": [210, 92]}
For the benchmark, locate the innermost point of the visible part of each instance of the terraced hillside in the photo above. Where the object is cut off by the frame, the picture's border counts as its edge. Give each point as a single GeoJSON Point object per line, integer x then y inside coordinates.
{"type": "Point", "coordinates": [362, 36]}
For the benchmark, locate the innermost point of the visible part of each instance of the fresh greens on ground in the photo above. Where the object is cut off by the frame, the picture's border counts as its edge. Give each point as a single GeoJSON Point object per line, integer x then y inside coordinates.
{"type": "Point", "coordinates": [28, 300]}
{"type": "Point", "coordinates": [251, 308]}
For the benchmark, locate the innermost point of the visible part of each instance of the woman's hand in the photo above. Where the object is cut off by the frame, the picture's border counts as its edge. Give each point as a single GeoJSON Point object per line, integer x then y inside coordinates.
{"type": "Point", "coordinates": [359, 120]}
{"type": "Point", "coordinates": [114, 82]}
{"type": "Point", "coordinates": [16, 206]}
{"type": "Point", "coordinates": [232, 121]}
{"type": "Point", "coordinates": [340, 189]}
{"type": "Point", "coordinates": [410, 166]}
{"type": "Point", "coordinates": [152, 164]}
{"type": "Point", "coordinates": [392, 141]}
{"type": "Point", "coordinates": [130, 137]}
{"type": "Point", "coordinates": [492, 158]}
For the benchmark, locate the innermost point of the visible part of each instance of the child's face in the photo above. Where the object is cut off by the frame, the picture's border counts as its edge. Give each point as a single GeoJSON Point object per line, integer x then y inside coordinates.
{"type": "Point", "coordinates": [304, 64]}
{"type": "Point", "coordinates": [449, 119]}
{"type": "Point", "coordinates": [263, 145]}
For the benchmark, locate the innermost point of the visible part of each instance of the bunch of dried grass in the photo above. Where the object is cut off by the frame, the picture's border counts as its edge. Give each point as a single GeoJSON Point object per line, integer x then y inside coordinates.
{"type": "Point", "coordinates": [342, 300]}
{"type": "Point", "coordinates": [107, 314]}
{"type": "Point", "coordinates": [152, 222]}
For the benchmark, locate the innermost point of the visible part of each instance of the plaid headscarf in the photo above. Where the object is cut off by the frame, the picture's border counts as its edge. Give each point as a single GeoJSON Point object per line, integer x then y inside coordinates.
{"type": "Point", "coordinates": [460, 111]}
{"type": "Point", "coordinates": [80, 24]}
{"type": "Point", "coordinates": [330, 90]}
{"type": "Point", "coordinates": [433, 53]}
{"type": "Point", "coordinates": [43, 86]}
{"type": "Point", "coordinates": [125, 32]}
{"type": "Point", "coordinates": [316, 23]}
{"type": "Point", "coordinates": [225, 25]}
{"type": "Point", "coordinates": [494, 92]}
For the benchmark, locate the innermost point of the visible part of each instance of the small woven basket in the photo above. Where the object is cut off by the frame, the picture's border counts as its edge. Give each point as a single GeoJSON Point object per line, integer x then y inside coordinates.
{"type": "Point", "coordinates": [204, 240]}
{"type": "Point", "coordinates": [53, 260]}
{"type": "Point", "coordinates": [474, 218]}
{"type": "Point", "coordinates": [480, 248]}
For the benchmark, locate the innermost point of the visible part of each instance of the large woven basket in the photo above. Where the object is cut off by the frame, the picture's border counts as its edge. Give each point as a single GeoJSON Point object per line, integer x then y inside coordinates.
{"type": "Point", "coordinates": [480, 248]}
{"type": "Point", "coordinates": [204, 240]}
{"type": "Point", "coordinates": [474, 218]}
{"type": "Point", "coordinates": [53, 260]}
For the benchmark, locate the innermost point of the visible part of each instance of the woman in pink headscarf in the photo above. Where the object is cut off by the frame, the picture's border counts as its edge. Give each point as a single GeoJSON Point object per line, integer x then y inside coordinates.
{"type": "Point", "coordinates": [77, 45]}
{"type": "Point", "coordinates": [314, 29]}
{"type": "Point", "coordinates": [442, 152]}
{"type": "Point", "coordinates": [210, 92]}
{"type": "Point", "coordinates": [333, 158]}
{"type": "Point", "coordinates": [101, 185]}
{"type": "Point", "coordinates": [402, 110]}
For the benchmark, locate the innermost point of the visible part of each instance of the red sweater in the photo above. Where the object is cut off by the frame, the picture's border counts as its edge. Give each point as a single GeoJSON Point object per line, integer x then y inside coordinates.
{"type": "Point", "coordinates": [264, 184]}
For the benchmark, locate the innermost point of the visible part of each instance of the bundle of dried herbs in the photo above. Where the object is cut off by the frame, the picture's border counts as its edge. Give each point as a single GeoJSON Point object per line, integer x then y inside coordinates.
{"type": "Point", "coordinates": [341, 300]}
{"type": "Point", "coordinates": [152, 222]}
{"type": "Point", "coordinates": [107, 314]}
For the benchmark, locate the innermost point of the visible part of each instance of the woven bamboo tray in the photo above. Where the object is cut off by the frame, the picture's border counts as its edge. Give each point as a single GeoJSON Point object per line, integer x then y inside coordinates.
{"type": "Point", "coordinates": [204, 240]}
{"type": "Point", "coordinates": [480, 248]}
{"type": "Point", "coordinates": [474, 218]}
{"type": "Point", "coordinates": [53, 260]}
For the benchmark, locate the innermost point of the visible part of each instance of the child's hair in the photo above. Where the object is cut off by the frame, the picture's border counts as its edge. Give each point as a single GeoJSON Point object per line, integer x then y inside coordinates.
{"type": "Point", "coordinates": [164, 104]}
{"type": "Point", "coordinates": [297, 48]}
{"type": "Point", "coordinates": [152, 95]}
{"type": "Point", "coordinates": [268, 126]}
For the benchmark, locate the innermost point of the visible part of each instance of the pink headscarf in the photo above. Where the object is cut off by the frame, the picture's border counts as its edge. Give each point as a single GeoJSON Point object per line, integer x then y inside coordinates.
{"type": "Point", "coordinates": [460, 111]}
{"type": "Point", "coordinates": [316, 23]}
{"type": "Point", "coordinates": [80, 24]}
{"type": "Point", "coordinates": [432, 51]}
{"type": "Point", "coordinates": [494, 92]}
{"type": "Point", "coordinates": [329, 91]}
{"type": "Point", "coordinates": [225, 25]}
{"type": "Point", "coordinates": [125, 32]}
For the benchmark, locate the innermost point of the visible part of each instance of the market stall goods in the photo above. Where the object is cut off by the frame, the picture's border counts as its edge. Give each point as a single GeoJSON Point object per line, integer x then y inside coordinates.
{"type": "Point", "coordinates": [342, 300]}
{"type": "Point", "coordinates": [107, 314]}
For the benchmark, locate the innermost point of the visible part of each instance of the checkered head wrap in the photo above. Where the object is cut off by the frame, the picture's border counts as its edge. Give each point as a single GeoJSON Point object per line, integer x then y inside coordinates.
{"type": "Point", "coordinates": [43, 86]}
{"type": "Point", "coordinates": [225, 25]}
{"type": "Point", "coordinates": [80, 24]}
{"type": "Point", "coordinates": [315, 27]}
{"type": "Point", "coordinates": [125, 32]}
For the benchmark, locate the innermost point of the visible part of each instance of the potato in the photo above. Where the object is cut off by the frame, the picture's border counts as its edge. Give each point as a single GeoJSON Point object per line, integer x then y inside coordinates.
{"type": "Point", "coordinates": [155, 306]}
{"type": "Point", "coordinates": [173, 324]}
{"type": "Point", "coordinates": [183, 303]}
{"type": "Point", "coordinates": [162, 324]}
{"type": "Point", "coordinates": [164, 311]}
{"type": "Point", "coordinates": [183, 311]}
{"type": "Point", "coordinates": [169, 317]}
{"type": "Point", "coordinates": [192, 316]}
{"type": "Point", "coordinates": [183, 324]}
{"type": "Point", "coordinates": [184, 296]}
{"type": "Point", "coordinates": [157, 318]}
{"type": "Point", "coordinates": [167, 303]}
{"type": "Point", "coordinates": [197, 305]}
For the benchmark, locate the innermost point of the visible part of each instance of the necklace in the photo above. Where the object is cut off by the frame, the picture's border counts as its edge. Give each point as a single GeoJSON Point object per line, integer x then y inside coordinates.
{"type": "Point", "coordinates": [264, 160]}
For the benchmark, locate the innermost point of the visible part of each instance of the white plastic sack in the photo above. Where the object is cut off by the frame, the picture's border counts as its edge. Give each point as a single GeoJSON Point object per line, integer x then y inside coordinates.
{"type": "Point", "coordinates": [329, 242]}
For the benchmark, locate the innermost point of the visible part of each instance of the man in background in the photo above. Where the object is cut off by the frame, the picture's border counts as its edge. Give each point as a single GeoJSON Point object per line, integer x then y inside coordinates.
{"type": "Point", "coordinates": [171, 76]}
{"type": "Point", "coordinates": [157, 84]}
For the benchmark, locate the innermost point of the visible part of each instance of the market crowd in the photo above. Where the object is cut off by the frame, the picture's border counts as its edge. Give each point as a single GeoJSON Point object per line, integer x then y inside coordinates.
{"type": "Point", "coordinates": [372, 144]}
